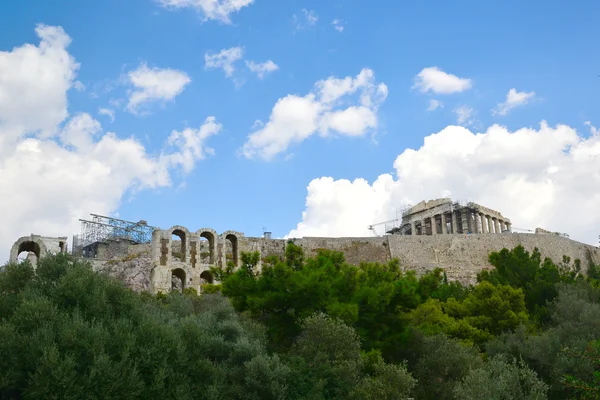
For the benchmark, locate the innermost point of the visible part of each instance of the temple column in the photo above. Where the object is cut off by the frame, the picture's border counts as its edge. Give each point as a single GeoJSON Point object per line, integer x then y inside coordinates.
{"type": "Point", "coordinates": [465, 222]}
{"type": "Point", "coordinates": [483, 223]}
{"type": "Point", "coordinates": [497, 225]}
{"type": "Point", "coordinates": [490, 228]}
{"type": "Point", "coordinates": [454, 223]}
{"type": "Point", "coordinates": [501, 223]}
{"type": "Point", "coordinates": [413, 228]}
{"type": "Point", "coordinates": [423, 228]}
{"type": "Point", "coordinates": [433, 225]}
{"type": "Point", "coordinates": [443, 218]}
{"type": "Point", "coordinates": [508, 227]}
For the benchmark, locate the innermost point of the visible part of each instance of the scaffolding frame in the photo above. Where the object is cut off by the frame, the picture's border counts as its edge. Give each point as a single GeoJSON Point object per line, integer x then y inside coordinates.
{"type": "Point", "coordinates": [102, 229]}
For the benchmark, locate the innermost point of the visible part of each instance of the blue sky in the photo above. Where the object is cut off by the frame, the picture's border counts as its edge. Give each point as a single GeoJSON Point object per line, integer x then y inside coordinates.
{"type": "Point", "coordinates": [546, 50]}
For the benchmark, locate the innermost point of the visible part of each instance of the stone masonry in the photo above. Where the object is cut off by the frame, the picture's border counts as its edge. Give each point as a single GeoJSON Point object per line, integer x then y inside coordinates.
{"type": "Point", "coordinates": [443, 216]}
{"type": "Point", "coordinates": [38, 245]}
{"type": "Point", "coordinates": [178, 258]}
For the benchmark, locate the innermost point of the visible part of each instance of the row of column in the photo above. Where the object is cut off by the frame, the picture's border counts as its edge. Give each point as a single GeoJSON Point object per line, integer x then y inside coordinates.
{"type": "Point", "coordinates": [461, 222]}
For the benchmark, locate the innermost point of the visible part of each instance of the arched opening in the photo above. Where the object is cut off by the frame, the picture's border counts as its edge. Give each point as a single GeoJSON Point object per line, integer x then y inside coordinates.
{"type": "Point", "coordinates": [178, 249]}
{"type": "Point", "coordinates": [29, 251]}
{"type": "Point", "coordinates": [178, 280]}
{"type": "Point", "coordinates": [206, 277]}
{"type": "Point", "coordinates": [231, 248]}
{"type": "Point", "coordinates": [207, 248]}
{"type": "Point", "coordinates": [61, 246]}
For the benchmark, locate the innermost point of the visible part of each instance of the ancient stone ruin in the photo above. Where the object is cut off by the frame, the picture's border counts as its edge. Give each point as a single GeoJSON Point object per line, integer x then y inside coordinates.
{"type": "Point", "coordinates": [456, 236]}
{"type": "Point", "coordinates": [444, 216]}
{"type": "Point", "coordinates": [37, 246]}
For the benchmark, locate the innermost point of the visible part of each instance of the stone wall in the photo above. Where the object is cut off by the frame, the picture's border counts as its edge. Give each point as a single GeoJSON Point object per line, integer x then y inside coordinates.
{"type": "Point", "coordinates": [356, 250]}
{"type": "Point", "coordinates": [151, 266]}
{"type": "Point", "coordinates": [463, 256]}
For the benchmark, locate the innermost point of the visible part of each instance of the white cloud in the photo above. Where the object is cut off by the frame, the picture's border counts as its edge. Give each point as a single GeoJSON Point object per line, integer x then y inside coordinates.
{"type": "Point", "coordinates": [59, 169]}
{"type": "Point", "coordinates": [34, 81]}
{"type": "Point", "coordinates": [595, 131]}
{"type": "Point", "coordinates": [434, 105]}
{"type": "Point", "coordinates": [190, 144]}
{"type": "Point", "coordinates": [338, 25]}
{"type": "Point", "coordinates": [463, 115]}
{"type": "Point", "coordinates": [154, 84]}
{"type": "Point", "coordinates": [260, 69]}
{"type": "Point", "coordinates": [79, 86]}
{"type": "Point", "coordinates": [513, 99]}
{"type": "Point", "coordinates": [211, 9]}
{"type": "Point", "coordinates": [109, 112]}
{"type": "Point", "coordinates": [347, 106]}
{"type": "Point", "coordinates": [225, 59]}
{"type": "Point", "coordinates": [307, 20]}
{"type": "Point", "coordinates": [538, 178]}
{"type": "Point", "coordinates": [433, 79]}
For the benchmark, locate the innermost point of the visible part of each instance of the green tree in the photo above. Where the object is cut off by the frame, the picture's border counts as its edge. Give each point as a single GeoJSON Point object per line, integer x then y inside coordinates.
{"type": "Point", "coordinates": [520, 269]}
{"type": "Point", "coordinates": [501, 379]}
{"type": "Point", "coordinates": [442, 364]}
{"type": "Point", "coordinates": [70, 333]}
{"type": "Point", "coordinates": [586, 389]}
{"type": "Point", "coordinates": [327, 364]}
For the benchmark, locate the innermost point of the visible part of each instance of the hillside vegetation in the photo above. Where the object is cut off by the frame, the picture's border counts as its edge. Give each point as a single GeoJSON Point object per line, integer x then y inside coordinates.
{"type": "Point", "coordinates": [303, 328]}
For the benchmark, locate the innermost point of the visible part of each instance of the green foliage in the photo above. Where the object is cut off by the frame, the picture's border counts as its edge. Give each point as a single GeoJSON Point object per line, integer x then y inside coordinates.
{"type": "Point", "coordinates": [487, 311]}
{"type": "Point", "coordinates": [443, 363]}
{"type": "Point", "coordinates": [209, 288]}
{"type": "Point", "coordinates": [434, 284]}
{"type": "Point", "coordinates": [250, 261]}
{"type": "Point", "coordinates": [70, 333]}
{"type": "Point", "coordinates": [221, 273]}
{"type": "Point", "coordinates": [327, 364]}
{"type": "Point", "coordinates": [585, 389]}
{"type": "Point", "coordinates": [537, 279]}
{"type": "Point", "coordinates": [306, 328]}
{"type": "Point", "coordinates": [502, 379]}
{"type": "Point", "coordinates": [294, 255]}
{"type": "Point", "coordinates": [371, 297]}
{"type": "Point", "coordinates": [574, 322]}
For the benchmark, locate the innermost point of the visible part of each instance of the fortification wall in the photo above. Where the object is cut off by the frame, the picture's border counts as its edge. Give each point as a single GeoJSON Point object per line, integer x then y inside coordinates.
{"type": "Point", "coordinates": [463, 256]}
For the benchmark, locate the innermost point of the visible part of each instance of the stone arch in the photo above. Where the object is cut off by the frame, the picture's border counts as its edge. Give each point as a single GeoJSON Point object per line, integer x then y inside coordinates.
{"type": "Point", "coordinates": [30, 244]}
{"type": "Point", "coordinates": [178, 279]}
{"type": "Point", "coordinates": [184, 236]}
{"type": "Point", "coordinates": [234, 238]}
{"type": "Point", "coordinates": [207, 276]}
{"type": "Point", "coordinates": [211, 236]}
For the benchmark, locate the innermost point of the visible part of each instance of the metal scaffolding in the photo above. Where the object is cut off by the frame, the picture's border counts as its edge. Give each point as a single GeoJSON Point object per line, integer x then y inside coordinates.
{"type": "Point", "coordinates": [102, 229]}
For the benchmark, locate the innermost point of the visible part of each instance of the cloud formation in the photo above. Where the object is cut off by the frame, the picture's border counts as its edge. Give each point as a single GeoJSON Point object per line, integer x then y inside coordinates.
{"type": "Point", "coordinates": [307, 20]}
{"type": "Point", "coordinates": [434, 105]}
{"type": "Point", "coordinates": [464, 115]}
{"type": "Point", "coordinates": [338, 25]}
{"type": "Point", "coordinates": [546, 177]}
{"type": "Point", "coordinates": [225, 60]}
{"type": "Point", "coordinates": [109, 112]}
{"type": "Point", "coordinates": [211, 9]}
{"type": "Point", "coordinates": [347, 106]}
{"type": "Point", "coordinates": [513, 99]}
{"type": "Point", "coordinates": [154, 84]}
{"type": "Point", "coordinates": [58, 168]}
{"type": "Point", "coordinates": [260, 69]}
{"type": "Point", "coordinates": [433, 79]}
